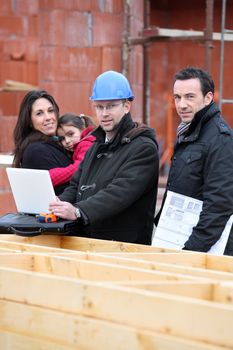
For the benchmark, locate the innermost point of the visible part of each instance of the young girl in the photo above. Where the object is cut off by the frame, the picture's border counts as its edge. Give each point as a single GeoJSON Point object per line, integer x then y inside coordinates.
{"type": "Point", "coordinates": [74, 133]}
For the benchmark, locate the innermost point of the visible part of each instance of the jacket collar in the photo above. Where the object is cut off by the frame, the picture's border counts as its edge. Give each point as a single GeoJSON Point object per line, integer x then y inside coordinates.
{"type": "Point", "coordinates": [87, 131]}
{"type": "Point", "coordinates": [127, 130]}
{"type": "Point", "coordinates": [201, 117]}
{"type": "Point", "coordinates": [125, 124]}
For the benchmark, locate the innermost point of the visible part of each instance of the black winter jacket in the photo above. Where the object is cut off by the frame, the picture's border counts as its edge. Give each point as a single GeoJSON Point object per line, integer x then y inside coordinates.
{"type": "Point", "coordinates": [115, 186]}
{"type": "Point", "coordinates": [46, 155]}
{"type": "Point", "coordinates": [202, 168]}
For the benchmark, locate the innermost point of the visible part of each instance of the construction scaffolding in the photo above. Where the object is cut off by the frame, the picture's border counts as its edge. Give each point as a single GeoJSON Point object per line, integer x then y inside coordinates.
{"type": "Point", "coordinates": [224, 32]}
{"type": "Point", "coordinates": [152, 34]}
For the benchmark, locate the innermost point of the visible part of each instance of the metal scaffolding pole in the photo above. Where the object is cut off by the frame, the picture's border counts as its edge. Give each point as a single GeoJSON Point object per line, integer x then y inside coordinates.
{"type": "Point", "coordinates": [146, 68]}
{"type": "Point", "coordinates": [209, 34]}
{"type": "Point", "coordinates": [221, 75]}
{"type": "Point", "coordinates": [125, 39]}
{"type": "Point", "coordinates": [222, 53]}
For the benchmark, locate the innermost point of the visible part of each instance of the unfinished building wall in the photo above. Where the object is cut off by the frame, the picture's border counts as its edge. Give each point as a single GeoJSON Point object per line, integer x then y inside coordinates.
{"type": "Point", "coordinates": [167, 57]}
{"type": "Point", "coordinates": [61, 46]}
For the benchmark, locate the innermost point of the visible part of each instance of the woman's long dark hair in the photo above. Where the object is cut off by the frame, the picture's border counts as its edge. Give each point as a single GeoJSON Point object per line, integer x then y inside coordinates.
{"type": "Point", "coordinates": [24, 134]}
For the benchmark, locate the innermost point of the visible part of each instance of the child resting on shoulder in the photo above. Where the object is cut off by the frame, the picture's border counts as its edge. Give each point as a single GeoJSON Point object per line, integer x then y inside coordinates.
{"type": "Point", "coordinates": [75, 134]}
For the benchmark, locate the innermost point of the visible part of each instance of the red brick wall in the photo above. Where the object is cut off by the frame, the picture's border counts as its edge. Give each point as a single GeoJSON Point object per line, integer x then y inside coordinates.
{"type": "Point", "coordinates": [77, 43]}
{"type": "Point", "coordinates": [61, 46]}
{"type": "Point", "coordinates": [19, 40]}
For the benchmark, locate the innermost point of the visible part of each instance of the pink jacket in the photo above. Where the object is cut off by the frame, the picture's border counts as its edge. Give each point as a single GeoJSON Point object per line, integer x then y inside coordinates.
{"type": "Point", "coordinates": [63, 175]}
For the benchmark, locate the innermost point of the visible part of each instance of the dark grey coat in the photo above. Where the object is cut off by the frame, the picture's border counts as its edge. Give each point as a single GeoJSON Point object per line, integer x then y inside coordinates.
{"type": "Point", "coordinates": [202, 168]}
{"type": "Point", "coordinates": [116, 185]}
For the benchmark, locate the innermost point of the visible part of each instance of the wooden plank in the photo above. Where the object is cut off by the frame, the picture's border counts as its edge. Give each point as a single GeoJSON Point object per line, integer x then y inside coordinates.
{"type": "Point", "coordinates": [9, 341]}
{"type": "Point", "coordinates": [46, 240]}
{"type": "Point", "coordinates": [108, 272]}
{"type": "Point", "coordinates": [190, 259]}
{"type": "Point", "coordinates": [156, 32]}
{"type": "Point", "coordinates": [188, 318]}
{"type": "Point", "coordinates": [223, 292]}
{"type": "Point", "coordinates": [84, 269]}
{"type": "Point", "coordinates": [84, 244]}
{"type": "Point", "coordinates": [165, 268]}
{"type": "Point", "coordinates": [23, 246]}
{"type": "Point", "coordinates": [172, 268]}
{"type": "Point", "coordinates": [13, 85]}
{"type": "Point", "coordinates": [221, 263]}
{"type": "Point", "coordinates": [5, 250]}
{"type": "Point", "coordinates": [97, 267]}
{"type": "Point", "coordinates": [193, 259]}
{"type": "Point", "coordinates": [200, 290]}
{"type": "Point", "coordinates": [98, 245]}
{"type": "Point", "coordinates": [40, 328]}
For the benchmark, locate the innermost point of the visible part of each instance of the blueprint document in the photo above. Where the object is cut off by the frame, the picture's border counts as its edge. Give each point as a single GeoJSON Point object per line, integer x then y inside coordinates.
{"type": "Point", "coordinates": [179, 215]}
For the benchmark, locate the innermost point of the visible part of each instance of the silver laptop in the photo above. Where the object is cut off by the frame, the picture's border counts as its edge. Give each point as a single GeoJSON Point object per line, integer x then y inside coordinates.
{"type": "Point", "coordinates": [32, 189]}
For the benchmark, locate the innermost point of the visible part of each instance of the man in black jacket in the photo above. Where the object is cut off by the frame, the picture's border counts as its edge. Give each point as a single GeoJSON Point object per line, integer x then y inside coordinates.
{"type": "Point", "coordinates": [113, 193]}
{"type": "Point", "coordinates": [202, 163]}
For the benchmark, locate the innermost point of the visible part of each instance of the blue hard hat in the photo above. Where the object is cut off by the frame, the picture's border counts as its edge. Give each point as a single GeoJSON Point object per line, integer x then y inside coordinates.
{"type": "Point", "coordinates": [111, 85]}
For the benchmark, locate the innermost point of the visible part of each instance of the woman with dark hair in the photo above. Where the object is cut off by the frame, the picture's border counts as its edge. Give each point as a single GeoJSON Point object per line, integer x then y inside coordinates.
{"type": "Point", "coordinates": [74, 132]}
{"type": "Point", "coordinates": [36, 143]}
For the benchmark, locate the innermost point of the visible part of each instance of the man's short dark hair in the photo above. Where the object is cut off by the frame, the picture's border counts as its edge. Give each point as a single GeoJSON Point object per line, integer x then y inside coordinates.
{"type": "Point", "coordinates": [206, 81]}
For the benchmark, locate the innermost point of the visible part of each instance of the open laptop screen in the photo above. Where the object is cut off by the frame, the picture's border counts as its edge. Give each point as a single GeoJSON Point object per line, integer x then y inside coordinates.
{"type": "Point", "coordinates": [32, 189]}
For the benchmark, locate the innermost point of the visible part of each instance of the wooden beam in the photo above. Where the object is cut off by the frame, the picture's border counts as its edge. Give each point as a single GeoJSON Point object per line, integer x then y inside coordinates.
{"type": "Point", "coordinates": [10, 340]}
{"type": "Point", "coordinates": [169, 266]}
{"type": "Point", "coordinates": [220, 263]}
{"type": "Point", "coordinates": [193, 319]}
{"type": "Point", "coordinates": [199, 290]}
{"type": "Point", "coordinates": [13, 85]}
{"type": "Point", "coordinates": [98, 245]}
{"type": "Point", "coordinates": [223, 292]}
{"type": "Point", "coordinates": [107, 267]}
{"type": "Point", "coordinates": [85, 269]}
{"type": "Point", "coordinates": [147, 279]}
{"type": "Point", "coordinates": [83, 244]}
{"type": "Point", "coordinates": [44, 240]}
{"type": "Point", "coordinates": [153, 34]}
{"type": "Point", "coordinates": [25, 246]}
{"type": "Point", "coordinates": [40, 328]}
{"type": "Point", "coordinates": [190, 259]}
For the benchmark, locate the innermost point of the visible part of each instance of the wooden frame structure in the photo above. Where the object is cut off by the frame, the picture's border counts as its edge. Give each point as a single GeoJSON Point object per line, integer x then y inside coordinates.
{"type": "Point", "coordinates": [68, 292]}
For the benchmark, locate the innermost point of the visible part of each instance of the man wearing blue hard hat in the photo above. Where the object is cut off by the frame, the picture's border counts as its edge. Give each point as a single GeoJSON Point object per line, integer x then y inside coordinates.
{"type": "Point", "coordinates": [113, 193]}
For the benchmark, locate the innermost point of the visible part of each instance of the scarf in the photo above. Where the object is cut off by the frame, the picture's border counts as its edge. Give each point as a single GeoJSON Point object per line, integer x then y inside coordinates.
{"type": "Point", "coordinates": [182, 131]}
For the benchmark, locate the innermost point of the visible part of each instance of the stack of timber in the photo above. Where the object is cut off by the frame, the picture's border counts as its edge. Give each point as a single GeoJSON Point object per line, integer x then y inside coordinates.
{"type": "Point", "coordinates": [59, 292]}
{"type": "Point", "coordinates": [13, 85]}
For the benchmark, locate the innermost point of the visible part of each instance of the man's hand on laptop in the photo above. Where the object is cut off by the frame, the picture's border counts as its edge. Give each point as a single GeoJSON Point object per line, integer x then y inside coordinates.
{"type": "Point", "coordinates": [64, 210]}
